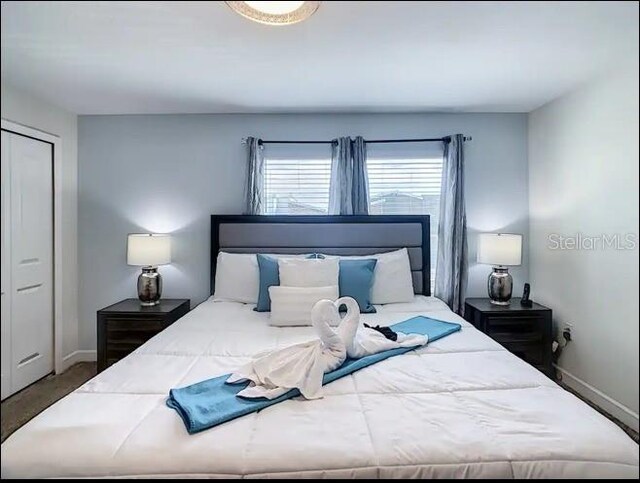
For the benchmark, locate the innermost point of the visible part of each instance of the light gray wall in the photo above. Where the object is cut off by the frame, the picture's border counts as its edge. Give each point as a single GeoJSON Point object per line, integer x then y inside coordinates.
{"type": "Point", "coordinates": [29, 111]}
{"type": "Point", "coordinates": [583, 178]}
{"type": "Point", "coordinates": [168, 173]}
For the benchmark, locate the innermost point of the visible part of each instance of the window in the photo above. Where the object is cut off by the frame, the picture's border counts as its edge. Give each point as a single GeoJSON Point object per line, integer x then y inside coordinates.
{"type": "Point", "coordinates": [404, 186]}
{"type": "Point", "coordinates": [296, 184]}
{"type": "Point", "coordinates": [404, 179]}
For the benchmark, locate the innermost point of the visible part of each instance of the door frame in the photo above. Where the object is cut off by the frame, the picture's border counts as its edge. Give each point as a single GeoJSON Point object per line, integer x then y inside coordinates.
{"type": "Point", "coordinates": [39, 135]}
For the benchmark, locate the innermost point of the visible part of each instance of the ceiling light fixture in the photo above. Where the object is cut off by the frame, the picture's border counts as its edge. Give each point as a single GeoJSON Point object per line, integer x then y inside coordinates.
{"type": "Point", "coordinates": [275, 13]}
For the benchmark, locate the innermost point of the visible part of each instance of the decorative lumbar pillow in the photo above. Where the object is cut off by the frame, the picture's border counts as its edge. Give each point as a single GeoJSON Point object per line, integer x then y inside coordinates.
{"type": "Point", "coordinates": [291, 306]}
{"type": "Point", "coordinates": [305, 272]}
{"type": "Point", "coordinates": [392, 281]}
{"type": "Point", "coordinates": [356, 281]}
{"type": "Point", "coordinates": [236, 278]}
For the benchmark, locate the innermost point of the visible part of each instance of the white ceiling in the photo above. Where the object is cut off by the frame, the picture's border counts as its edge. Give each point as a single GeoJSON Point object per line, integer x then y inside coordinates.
{"type": "Point", "coordinates": [197, 57]}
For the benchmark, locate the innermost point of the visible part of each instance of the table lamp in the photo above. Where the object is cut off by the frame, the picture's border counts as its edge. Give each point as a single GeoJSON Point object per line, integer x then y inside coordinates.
{"type": "Point", "coordinates": [149, 250]}
{"type": "Point", "coordinates": [500, 250]}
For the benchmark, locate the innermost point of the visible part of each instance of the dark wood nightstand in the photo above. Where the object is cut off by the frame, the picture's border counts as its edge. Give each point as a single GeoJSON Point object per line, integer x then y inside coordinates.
{"type": "Point", "coordinates": [524, 331]}
{"type": "Point", "coordinates": [125, 326]}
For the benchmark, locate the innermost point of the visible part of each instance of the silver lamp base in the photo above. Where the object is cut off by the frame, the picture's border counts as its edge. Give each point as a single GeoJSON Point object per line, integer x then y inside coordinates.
{"type": "Point", "coordinates": [500, 285]}
{"type": "Point", "coordinates": [149, 286]}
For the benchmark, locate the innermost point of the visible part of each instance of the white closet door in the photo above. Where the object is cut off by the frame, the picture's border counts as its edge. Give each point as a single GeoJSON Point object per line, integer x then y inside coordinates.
{"type": "Point", "coordinates": [31, 251]}
{"type": "Point", "coordinates": [5, 269]}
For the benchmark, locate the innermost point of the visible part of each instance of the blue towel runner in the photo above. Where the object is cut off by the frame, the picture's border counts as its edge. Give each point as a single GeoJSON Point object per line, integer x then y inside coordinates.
{"type": "Point", "coordinates": [208, 403]}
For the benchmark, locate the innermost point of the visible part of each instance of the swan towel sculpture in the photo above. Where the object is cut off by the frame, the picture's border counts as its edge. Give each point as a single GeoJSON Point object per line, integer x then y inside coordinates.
{"type": "Point", "coordinates": [302, 366]}
{"type": "Point", "coordinates": [211, 402]}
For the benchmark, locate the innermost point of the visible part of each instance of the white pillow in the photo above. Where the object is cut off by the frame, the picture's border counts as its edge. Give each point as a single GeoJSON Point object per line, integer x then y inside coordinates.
{"type": "Point", "coordinates": [392, 280]}
{"type": "Point", "coordinates": [308, 272]}
{"type": "Point", "coordinates": [291, 306]}
{"type": "Point", "coordinates": [237, 278]}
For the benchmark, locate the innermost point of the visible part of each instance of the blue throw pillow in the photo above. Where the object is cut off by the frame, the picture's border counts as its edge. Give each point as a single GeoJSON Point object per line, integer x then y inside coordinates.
{"type": "Point", "coordinates": [356, 280]}
{"type": "Point", "coordinates": [269, 275]}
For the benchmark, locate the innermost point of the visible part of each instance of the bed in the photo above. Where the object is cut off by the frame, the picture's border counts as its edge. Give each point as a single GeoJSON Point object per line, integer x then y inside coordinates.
{"type": "Point", "coordinates": [460, 407]}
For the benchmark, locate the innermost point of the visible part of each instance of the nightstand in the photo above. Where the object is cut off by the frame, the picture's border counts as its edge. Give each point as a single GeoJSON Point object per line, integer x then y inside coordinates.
{"type": "Point", "coordinates": [524, 331]}
{"type": "Point", "coordinates": [125, 326]}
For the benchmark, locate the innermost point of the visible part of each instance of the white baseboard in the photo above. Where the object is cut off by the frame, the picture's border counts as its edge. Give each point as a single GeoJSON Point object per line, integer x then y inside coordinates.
{"type": "Point", "coordinates": [600, 399]}
{"type": "Point", "coordinates": [78, 356]}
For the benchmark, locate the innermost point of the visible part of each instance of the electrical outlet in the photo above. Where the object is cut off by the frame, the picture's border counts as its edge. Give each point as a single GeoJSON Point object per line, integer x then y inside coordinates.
{"type": "Point", "coordinates": [567, 331]}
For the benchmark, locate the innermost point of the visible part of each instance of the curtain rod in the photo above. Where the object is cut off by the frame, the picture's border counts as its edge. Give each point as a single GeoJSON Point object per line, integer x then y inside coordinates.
{"type": "Point", "coordinates": [371, 141]}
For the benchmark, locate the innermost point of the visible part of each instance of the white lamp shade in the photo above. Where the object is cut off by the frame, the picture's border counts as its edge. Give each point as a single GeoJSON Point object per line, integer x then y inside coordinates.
{"type": "Point", "coordinates": [499, 249]}
{"type": "Point", "coordinates": [148, 249]}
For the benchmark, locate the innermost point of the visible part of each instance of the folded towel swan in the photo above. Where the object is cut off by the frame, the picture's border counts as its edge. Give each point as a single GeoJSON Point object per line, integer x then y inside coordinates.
{"type": "Point", "coordinates": [302, 366]}
{"type": "Point", "coordinates": [211, 402]}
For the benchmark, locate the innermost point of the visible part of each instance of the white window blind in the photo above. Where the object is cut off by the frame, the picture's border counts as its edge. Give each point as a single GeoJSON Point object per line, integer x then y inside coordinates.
{"type": "Point", "coordinates": [296, 179]}
{"type": "Point", "coordinates": [405, 179]}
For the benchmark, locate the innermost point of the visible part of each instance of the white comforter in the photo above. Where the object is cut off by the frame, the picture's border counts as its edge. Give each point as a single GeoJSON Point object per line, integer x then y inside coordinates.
{"type": "Point", "coordinates": [459, 407]}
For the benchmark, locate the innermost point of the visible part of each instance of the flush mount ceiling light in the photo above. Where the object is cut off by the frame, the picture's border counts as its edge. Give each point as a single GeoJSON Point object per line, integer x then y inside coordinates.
{"type": "Point", "coordinates": [275, 13]}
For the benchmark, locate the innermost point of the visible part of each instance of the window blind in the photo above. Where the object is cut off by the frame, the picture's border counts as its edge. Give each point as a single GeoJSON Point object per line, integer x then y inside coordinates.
{"type": "Point", "coordinates": [404, 186]}
{"type": "Point", "coordinates": [406, 180]}
{"type": "Point", "coordinates": [296, 180]}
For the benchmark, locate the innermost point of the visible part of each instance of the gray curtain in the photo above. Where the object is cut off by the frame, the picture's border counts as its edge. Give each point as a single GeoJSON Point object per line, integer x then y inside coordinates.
{"type": "Point", "coordinates": [452, 263]}
{"type": "Point", "coordinates": [255, 178]}
{"type": "Point", "coordinates": [360, 181]}
{"type": "Point", "coordinates": [340, 187]}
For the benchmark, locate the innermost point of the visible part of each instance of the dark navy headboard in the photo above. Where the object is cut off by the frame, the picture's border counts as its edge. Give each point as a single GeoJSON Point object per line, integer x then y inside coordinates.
{"type": "Point", "coordinates": [333, 235]}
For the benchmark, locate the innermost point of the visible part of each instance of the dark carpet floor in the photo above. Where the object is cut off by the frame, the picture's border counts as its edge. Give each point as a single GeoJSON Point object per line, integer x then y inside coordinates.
{"type": "Point", "coordinates": [23, 406]}
{"type": "Point", "coordinates": [18, 409]}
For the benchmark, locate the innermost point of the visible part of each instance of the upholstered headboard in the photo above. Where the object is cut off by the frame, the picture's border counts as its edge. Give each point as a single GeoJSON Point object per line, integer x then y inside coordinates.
{"type": "Point", "coordinates": [333, 235]}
